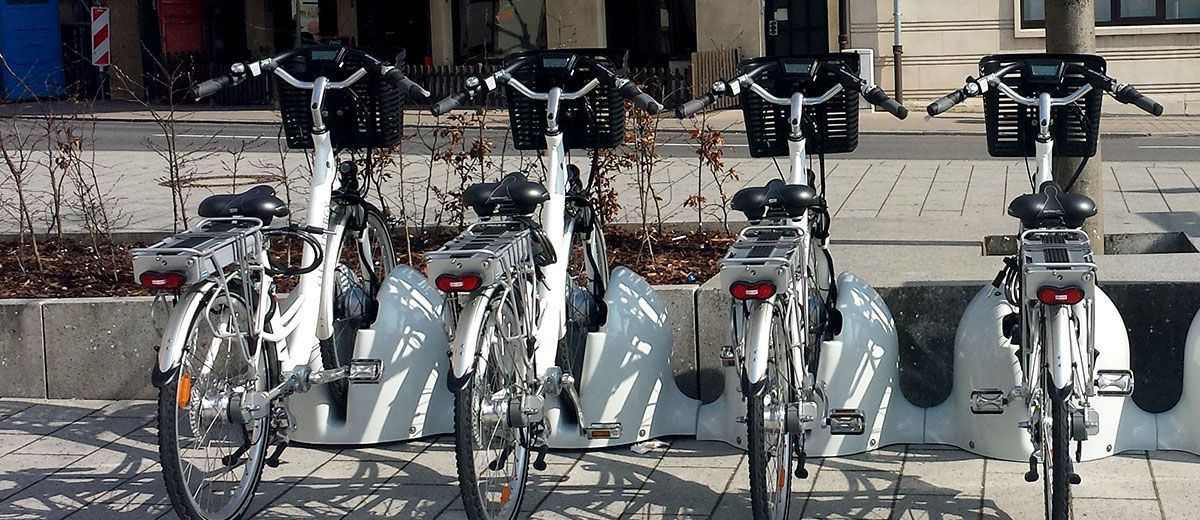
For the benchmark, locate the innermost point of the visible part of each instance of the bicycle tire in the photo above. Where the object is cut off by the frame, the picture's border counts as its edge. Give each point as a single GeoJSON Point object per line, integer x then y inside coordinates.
{"type": "Point", "coordinates": [338, 349]}
{"type": "Point", "coordinates": [765, 469]}
{"type": "Point", "coordinates": [469, 424]}
{"type": "Point", "coordinates": [184, 497]}
{"type": "Point", "coordinates": [1057, 475]}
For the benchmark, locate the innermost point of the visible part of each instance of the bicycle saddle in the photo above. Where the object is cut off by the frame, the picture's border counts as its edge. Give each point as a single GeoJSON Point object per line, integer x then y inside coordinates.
{"type": "Point", "coordinates": [513, 195]}
{"type": "Point", "coordinates": [1051, 206]}
{"type": "Point", "coordinates": [259, 202]}
{"type": "Point", "coordinates": [775, 199]}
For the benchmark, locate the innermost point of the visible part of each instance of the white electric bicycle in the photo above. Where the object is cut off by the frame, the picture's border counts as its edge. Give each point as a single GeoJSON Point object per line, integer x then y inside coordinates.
{"type": "Point", "coordinates": [232, 353]}
{"type": "Point", "coordinates": [530, 293]}
{"type": "Point", "coordinates": [778, 271]}
{"type": "Point", "coordinates": [1048, 105]}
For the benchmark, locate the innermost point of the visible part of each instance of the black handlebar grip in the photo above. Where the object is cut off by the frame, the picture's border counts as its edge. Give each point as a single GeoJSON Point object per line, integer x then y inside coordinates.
{"type": "Point", "coordinates": [640, 99]}
{"type": "Point", "coordinates": [415, 92]}
{"type": "Point", "coordinates": [876, 96]}
{"type": "Point", "coordinates": [690, 108]}
{"type": "Point", "coordinates": [946, 102]}
{"type": "Point", "coordinates": [212, 86]}
{"type": "Point", "coordinates": [1131, 95]}
{"type": "Point", "coordinates": [895, 108]}
{"type": "Point", "coordinates": [450, 103]}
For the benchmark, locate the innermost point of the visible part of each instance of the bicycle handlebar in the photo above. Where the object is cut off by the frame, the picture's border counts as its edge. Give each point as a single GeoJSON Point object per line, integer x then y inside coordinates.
{"type": "Point", "coordinates": [628, 89]}
{"type": "Point", "coordinates": [873, 94]}
{"type": "Point", "coordinates": [1122, 92]}
{"type": "Point", "coordinates": [239, 72]}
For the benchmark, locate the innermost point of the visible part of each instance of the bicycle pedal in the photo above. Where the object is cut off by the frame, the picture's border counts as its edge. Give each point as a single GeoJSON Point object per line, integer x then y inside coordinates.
{"type": "Point", "coordinates": [365, 371]}
{"type": "Point", "coordinates": [1114, 382]}
{"type": "Point", "coordinates": [603, 431]}
{"type": "Point", "coordinates": [273, 459]}
{"type": "Point", "coordinates": [728, 356]}
{"type": "Point", "coordinates": [847, 422]}
{"type": "Point", "coordinates": [988, 401]}
{"type": "Point", "coordinates": [540, 462]}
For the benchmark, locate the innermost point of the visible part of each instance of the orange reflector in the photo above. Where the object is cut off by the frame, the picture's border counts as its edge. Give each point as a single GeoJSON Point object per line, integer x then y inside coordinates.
{"type": "Point", "coordinates": [782, 478]}
{"type": "Point", "coordinates": [185, 389]}
{"type": "Point", "coordinates": [601, 434]}
{"type": "Point", "coordinates": [505, 494]}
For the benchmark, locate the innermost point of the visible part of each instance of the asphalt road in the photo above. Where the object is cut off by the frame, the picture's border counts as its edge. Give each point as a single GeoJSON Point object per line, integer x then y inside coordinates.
{"type": "Point", "coordinates": [133, 136]}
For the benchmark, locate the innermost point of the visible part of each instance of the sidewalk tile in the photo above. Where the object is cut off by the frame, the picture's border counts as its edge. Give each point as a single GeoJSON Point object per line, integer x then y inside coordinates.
{"type": "Point", "coordinates": [1109, 508]}
{"type": "Point", "coordinates": [935, 507]}
{"type": "Point", "coordinates": [18, 472]}
{"type": "Point", "coordinates": [1120, 476]}
{"type": "Point", "coordinates": [701, 454]}
{"type": "Point", "coordinates": [941, 472]}
{"type": "Point", "coordinates": [406, 501]}
{"type": "Point", "coordinates": [81, 438]}
{"type": "Point", "coordinates": [1179, 497]}
{"type": "Point", "coordinates": [837, 505]}
{"type": "Point", "coordinates": [682, 491]}
{"type": "Point", "coordinates": [1175, 464]}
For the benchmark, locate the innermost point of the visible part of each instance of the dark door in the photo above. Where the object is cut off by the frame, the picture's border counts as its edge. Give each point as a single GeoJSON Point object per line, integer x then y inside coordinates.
{"type": "Point", "coordinates": [796, 26]}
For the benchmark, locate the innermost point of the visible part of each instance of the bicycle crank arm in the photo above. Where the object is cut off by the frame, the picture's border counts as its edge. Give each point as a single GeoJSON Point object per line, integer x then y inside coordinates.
{"type": "Point", "coordinates": [252, 406]}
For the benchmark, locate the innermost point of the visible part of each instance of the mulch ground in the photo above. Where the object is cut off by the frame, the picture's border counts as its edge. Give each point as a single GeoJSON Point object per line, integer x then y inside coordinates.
{"type": "Point", "coordinates": [70, 269]}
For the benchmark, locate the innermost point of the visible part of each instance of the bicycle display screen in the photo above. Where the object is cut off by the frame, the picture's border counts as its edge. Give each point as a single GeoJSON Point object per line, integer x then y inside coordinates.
{"type": "Point", "coordinates": [798, 69]}
{"type": "Point", "coordinates": [324, 55]}
{"type": "Point", "coordinates": [558, 64]}
{"type": "Point", "coordinates": [1045, 71]}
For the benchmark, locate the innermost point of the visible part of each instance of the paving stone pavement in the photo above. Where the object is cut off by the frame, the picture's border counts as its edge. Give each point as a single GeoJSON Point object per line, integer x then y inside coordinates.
{"type": "Point", "coordinates": [98, 459]}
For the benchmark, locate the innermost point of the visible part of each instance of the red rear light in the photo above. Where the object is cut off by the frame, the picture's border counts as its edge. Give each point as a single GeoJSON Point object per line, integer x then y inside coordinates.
{"type": "Point", "coordinates": [1060, 295]}
{"type": "Point", "coordinates": [154, 280]}
{"type": "Point", "coordinates": [458, 283]}
{"type": "Point", "coordinates": [752, 290]}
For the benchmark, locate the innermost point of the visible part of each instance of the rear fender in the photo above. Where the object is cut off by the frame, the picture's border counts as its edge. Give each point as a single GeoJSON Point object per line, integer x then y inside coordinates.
{"type": "Point", "coordinates": [170, 347]}
{"type": "Point", "coordinates": [464, 349]}
{"type": "Point", "coordinates": [757, 346]}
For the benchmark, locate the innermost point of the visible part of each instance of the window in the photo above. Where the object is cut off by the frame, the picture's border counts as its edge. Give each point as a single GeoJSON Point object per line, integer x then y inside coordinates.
{"type": "Point", "coordinates": [1122, 12]}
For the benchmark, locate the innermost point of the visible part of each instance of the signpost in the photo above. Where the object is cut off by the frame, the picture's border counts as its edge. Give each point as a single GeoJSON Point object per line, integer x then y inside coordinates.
{"type": "Point", "coordinates": [100, 54]}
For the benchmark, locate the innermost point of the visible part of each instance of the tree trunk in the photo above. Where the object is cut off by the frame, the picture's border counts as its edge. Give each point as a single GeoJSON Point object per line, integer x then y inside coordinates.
{"type": "Point", "coordinates": [1071, 28]}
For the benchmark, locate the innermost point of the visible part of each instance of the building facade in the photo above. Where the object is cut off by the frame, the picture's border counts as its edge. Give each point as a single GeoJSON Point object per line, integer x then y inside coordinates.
{"type": "Point", "coordinates": [1153, 43]}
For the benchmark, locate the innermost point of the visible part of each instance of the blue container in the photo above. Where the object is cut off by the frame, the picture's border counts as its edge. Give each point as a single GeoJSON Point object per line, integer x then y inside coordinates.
{"type": "Point", "coordinates": [31, 48]}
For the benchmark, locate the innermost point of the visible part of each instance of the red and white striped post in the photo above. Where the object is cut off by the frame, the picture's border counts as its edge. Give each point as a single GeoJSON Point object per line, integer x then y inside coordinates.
{"type": "Point", "coordinates": [100, 54]}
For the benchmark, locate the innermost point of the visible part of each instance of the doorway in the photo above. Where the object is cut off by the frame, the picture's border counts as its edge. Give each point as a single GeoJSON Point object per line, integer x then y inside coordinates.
{"type": "Point", "coordinates": [796, 26]}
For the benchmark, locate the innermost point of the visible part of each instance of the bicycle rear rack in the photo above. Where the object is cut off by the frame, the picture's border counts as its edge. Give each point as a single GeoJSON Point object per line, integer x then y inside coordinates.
{"type": "Point", "coordinates": [1057, 257]}
{"type": "Point", "coordinates": [209, 247]}
{"type": "Point", "coordinates": [763, 253]}
{"type": "Point", "coordinates": [488, 249]}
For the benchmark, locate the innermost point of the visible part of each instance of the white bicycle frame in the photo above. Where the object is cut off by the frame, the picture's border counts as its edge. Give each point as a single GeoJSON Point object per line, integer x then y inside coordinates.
{"type": "Point", "coordinates": [755, 359]}
{"type": "Point", "coordinates": [1060, 344]}
{"type": "Point", "coordinates": [550, 317]}
{"type": "Point", "coordinates": [304, 318]}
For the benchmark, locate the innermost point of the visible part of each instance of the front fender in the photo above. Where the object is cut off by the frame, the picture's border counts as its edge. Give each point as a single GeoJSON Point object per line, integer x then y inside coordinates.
{"type": "Point", "coordinates": [757, 345]}
{"type": "Point", "coordinates": [465, 346]}
{"type": "Point", "coordinates": [170, 347]}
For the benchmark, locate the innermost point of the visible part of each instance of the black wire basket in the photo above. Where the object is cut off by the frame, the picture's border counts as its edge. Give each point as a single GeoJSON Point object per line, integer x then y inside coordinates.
{"type": "Point", "coordinates": [369, 114]}
{"type": "Point", "coordinates": [595, 121]}
{"type": "Point", "coordinates": [836, 120]}
{"type": "Point", "coordinates": [1012, 128]}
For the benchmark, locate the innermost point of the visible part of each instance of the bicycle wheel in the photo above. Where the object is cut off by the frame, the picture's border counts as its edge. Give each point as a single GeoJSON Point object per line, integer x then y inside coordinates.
{"type": "Point", "coordinates": [1056, 441]}
{"type": "Point", "coordinates": [492, 456]}
{"type": "Point", "coordinates": [366, 257]}
{"type": "Point", "coordinates": [769, 445]}
{"type": "Point", "coordinates": [587, 279]}
{"type": "Point", "coordinates": [212, 466]}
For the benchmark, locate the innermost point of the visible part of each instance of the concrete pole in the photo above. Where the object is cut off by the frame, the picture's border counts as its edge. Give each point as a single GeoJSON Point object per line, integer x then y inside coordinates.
{"type": "Point", "coordinates": [1071, 28]}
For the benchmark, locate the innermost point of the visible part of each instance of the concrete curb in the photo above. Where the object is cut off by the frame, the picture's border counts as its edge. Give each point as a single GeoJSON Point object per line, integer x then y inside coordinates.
{"type": "Point", "coordinates": [104, 348]}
